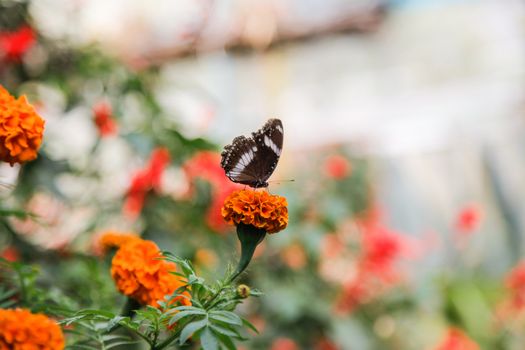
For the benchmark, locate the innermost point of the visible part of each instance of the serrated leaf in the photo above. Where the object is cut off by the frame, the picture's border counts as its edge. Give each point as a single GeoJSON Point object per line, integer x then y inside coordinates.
{"type": "Point", "coordinates": [102, 313]}
{"type": "Point", "coordinates": [190, 329]}
{"type": "Point", "coordinates": [248, 324]}
{"type": "Point", "coordinates": [183, 314]}
{"type": "Point", "coordinates": [225, 331]}
{"type": "Point", "coordinates": [227, 342]}
{"type": "Point", "coordinates": [112, 337]}
{"type": "Point", "coordinates": [114, 322]}
{"type": "Point", "coordinates": [227, 317]}
{"type": "Point", "coordinates": [186, 308]}
{"type": "Point", "coordinates": [208, 340]}
{"type": "Point", "coordinates": [112, 345]}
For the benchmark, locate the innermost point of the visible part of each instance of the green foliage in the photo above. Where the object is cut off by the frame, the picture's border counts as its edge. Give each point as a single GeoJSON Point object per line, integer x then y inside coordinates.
{"type": "Point", "coordinates": [209, 319]}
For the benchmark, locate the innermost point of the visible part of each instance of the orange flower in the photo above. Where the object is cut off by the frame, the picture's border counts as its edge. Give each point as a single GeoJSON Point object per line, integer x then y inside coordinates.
{"type": "Point", "coordinates": [20, 329]}
{"type": "Point", "coordinates": [284, 344]}
{"type": "Point", "coordinates": [21, 129]}
{"type": "Point", "coordinates": [257, 208]}
{"type": "Point", "coordinates": [294, 256]}
{"type": "Point", "coordinates": [456, 339]}
{"type": "Point", "coordinates": [112, 239]}
{"type": "Point", "coordinates": [140, 273]}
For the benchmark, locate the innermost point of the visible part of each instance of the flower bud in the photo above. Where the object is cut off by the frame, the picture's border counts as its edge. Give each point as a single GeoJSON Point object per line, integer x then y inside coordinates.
{"type": "Point", "coordinates": [243, 291]}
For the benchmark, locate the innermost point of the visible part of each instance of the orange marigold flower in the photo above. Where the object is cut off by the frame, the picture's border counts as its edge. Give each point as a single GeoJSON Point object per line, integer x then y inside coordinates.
{"type": "Point", "coordinates": [112, 239]}
{"type": "Point", "coordinates": [257, 208]}
{"type": "Point", "coordinates": [140, 273]}
{"type": "Point", "coordinates": [21, 129]}
{"type": "Point", "coordinates": [21, 329]}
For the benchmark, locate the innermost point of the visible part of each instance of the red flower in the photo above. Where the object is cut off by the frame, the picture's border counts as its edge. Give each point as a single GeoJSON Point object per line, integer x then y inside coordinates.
{"type": "Point", "coordinates": [10, 253]}
{"type": "Point", "coordinates": [284, 344]}
{"type": "Point", "coordinates": [325, 344]}
{"type": "Point", "coordinates": [206, 165]}
{"type": "Point", "coordinates": [468, 219]}
{"type": "Point", "coordinates": [337, 167]}
{"type": "Point", "coordinates": [146, 180]}
{"type": "Point", "coordinates": [376, 269]}
{"type": "Point", "coordinates": [456, 339]}
{"type": "Point", "coordinates": [160, 158]}
{"type": "Point", "coordinates": [13, 45]}
{"type": "Point", "coordinates": [102, 116]}
{"type": "Point", "coordinates": [381, 248]}
{"type": "Point", "coordinates": [354, 293]}
{"type": "Point", "coordinates": [515, 283]}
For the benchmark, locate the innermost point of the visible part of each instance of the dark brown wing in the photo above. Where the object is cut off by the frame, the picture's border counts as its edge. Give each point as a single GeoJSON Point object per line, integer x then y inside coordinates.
{"type": "Point", "coordinates": [236, 158]}
{"type": "Point", "coordinates": [251, 161]}
{"type": "Point", "coordinates": [269, 141]}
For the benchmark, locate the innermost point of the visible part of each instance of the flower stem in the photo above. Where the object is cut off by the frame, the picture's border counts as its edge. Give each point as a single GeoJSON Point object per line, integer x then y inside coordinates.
{"type": "Point", "coordinates": [250, 237]}
{"type": "Point", "coordinates": [130, 306]}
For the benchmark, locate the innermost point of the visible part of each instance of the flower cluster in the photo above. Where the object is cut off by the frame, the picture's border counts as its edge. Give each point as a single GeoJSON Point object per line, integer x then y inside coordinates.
{"type": "Point", "coordinates": [366, 274]}
{"type": "Point", "coordinates": [21, 129]}
{"type": "Point", "coordinates": [145, 180]}
{"type": "Point", "coordinates": [256, 208]}
{"type": "Point", "coordinates": [140, 273]}
{"type": "Point", "coordinates": [112, 239]}
{"type": "Point", "coordinates": [21, 329]}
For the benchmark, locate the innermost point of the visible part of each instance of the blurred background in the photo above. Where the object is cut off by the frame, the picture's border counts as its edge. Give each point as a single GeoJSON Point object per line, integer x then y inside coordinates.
{"type": "Point", "coordinates": [404, 133]}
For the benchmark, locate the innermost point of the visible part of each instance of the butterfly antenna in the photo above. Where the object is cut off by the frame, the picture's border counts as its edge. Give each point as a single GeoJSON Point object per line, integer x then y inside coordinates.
{"type": "Point", "coordinates": [281, 181]}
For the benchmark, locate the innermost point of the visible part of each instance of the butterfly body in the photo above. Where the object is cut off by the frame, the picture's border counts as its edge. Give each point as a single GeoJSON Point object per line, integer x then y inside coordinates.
{"type": "Point", "coordinates": [252, 160]}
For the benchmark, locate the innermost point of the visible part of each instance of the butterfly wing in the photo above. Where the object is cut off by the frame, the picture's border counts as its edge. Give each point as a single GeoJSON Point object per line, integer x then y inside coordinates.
{"type": "Point", "coordinates": [269, 141]}
{"type": "Point", "coordinates": [236, 158]}
{"type": "Point", "coordinates": [251, 161]}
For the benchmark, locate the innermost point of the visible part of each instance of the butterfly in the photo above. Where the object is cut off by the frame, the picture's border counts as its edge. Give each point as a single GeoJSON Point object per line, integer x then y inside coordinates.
{"type": "Point", "coordinates": [252, 160]}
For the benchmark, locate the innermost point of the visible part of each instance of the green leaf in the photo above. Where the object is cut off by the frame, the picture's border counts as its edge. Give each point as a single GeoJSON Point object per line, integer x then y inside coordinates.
{"type": "Point", "coordinates": [227, 317]}
{"type": "Point", "coordinates": [208, 340]}
{"type": "Point", "coordinates": [190, 329]}
{"type": "Point", "coordinates": [114, 322]}
{"type": "Point", "coordinates": [187, 308]}
{"type": "Point", "coordinates": [82, 347]}
{"type": "Point", "coordinates": [248, 324]}
{"type": "Point", "coordinates": [225, 331]}
{"type": "Point", "coordinates": [183, 314]}
{"type": "Point", "coordinates": [227, 342]}
{"type": "Point", "coordinates": [93, 312]}
{"type": "Point", "coordinates": [115, 344]}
